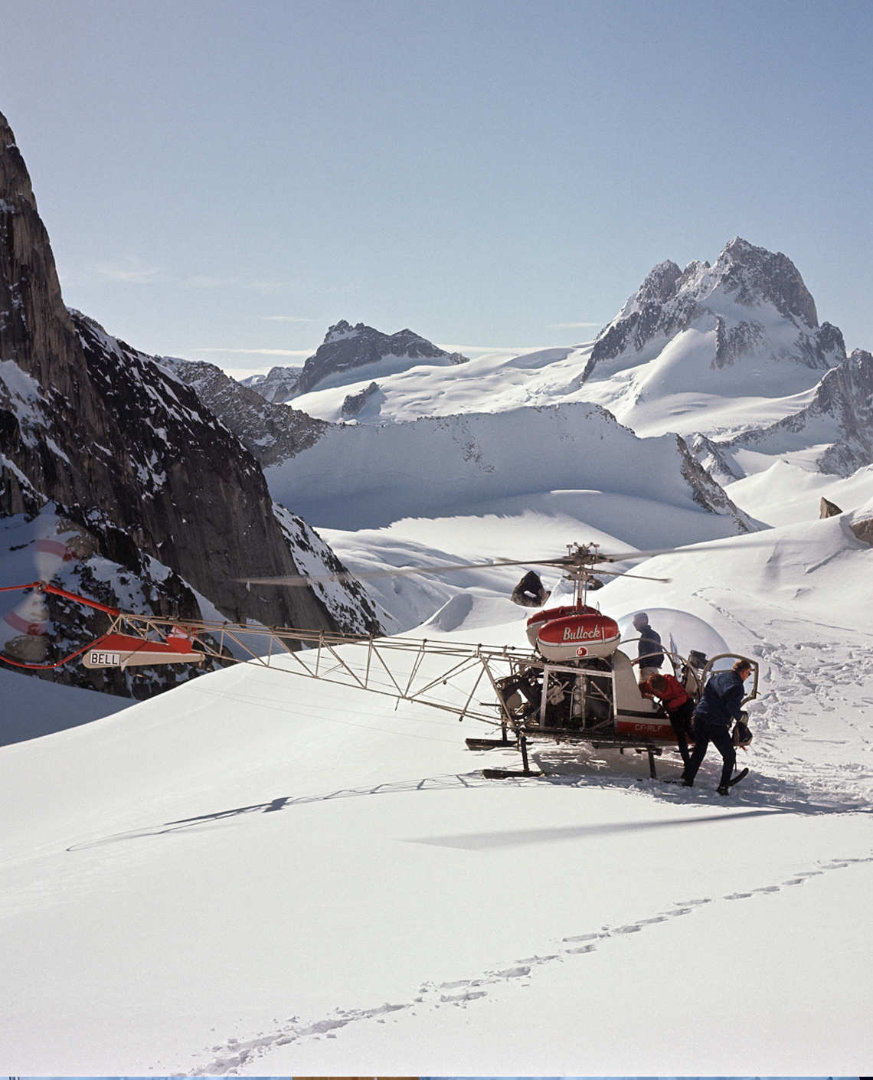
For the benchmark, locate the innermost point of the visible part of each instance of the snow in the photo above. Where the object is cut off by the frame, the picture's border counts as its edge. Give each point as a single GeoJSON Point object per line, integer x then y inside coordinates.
{"type": "Point", "coordinates": [478, 463]}
{"type": "Point", "coordinates": [262, 874]}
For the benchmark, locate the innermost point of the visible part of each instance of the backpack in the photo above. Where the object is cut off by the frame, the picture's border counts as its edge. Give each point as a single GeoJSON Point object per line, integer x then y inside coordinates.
{"type": "Point", "coordinates": [741, 735]}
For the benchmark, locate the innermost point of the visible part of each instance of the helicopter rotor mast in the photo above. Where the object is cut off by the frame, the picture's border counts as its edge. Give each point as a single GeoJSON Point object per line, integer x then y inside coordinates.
{"type": "Point", "coordinates": [578, 566]}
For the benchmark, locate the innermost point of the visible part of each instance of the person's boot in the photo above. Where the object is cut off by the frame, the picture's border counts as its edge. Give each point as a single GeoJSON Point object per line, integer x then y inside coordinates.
{"type": "Point", "coordinates": [724, 789]}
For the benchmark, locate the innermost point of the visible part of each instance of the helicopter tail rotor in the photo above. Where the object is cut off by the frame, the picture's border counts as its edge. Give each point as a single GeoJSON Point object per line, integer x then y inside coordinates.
{"type": "Point", "coordinates": [25, 630]}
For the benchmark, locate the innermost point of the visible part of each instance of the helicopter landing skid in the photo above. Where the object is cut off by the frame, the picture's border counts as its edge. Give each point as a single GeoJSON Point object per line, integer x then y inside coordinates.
{"type": "Point", "coordinates": [503, 774]}
{"type": "Point", "coordinates": [487, 744]}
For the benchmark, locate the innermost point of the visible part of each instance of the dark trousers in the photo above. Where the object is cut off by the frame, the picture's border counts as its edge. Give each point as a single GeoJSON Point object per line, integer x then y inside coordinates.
{"type": "Point", "coordinates": [682, 722]}
{"type": "Point", "coordinates": [705, 733]}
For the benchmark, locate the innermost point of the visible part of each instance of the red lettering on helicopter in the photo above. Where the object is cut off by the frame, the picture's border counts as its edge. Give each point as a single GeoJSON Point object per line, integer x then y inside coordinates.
{"type": "Point", "coordinates": [581, 634]}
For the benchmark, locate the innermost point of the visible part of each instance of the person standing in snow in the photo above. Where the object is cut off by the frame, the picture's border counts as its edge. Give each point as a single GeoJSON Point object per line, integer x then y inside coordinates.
{"type": "Point", "coordinates": [649, 651]}
{"type": "Point", "coordinates": [679, 706]}
{"type": "Point", "coordinates": [719, 705]}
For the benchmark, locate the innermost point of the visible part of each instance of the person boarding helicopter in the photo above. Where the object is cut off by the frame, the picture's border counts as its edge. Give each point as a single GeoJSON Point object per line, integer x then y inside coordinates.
{"type": "Point", "coordinates": [720, 704]}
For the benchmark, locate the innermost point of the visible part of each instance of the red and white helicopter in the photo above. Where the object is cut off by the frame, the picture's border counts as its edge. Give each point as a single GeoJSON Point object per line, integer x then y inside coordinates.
{"type": "Point", "coordinates": [575, 682]}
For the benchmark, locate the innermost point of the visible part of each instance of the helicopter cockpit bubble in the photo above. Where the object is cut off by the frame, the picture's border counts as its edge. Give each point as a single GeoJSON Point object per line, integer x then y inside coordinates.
{"type": "Point", "coordinates": [681, 633]}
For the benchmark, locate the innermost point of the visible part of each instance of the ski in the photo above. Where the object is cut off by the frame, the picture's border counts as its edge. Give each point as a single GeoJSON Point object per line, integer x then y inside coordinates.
{"type": "Point", "coordinates": [740, 775]}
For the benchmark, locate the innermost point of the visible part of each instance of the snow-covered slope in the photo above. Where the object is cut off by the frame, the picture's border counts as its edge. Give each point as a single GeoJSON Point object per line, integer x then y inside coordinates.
{"type": "Point", "coordinates": [360, 476]}
{"type": "Point", "coordinates": [261, 875]}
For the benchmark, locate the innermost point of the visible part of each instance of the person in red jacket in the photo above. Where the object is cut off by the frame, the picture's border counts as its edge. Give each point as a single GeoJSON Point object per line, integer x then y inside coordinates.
{"type": "Point", "coordinates": [679, 706]}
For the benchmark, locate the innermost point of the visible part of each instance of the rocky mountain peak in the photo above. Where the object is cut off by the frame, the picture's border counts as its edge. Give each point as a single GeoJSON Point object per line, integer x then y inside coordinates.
{"type": "Point", "coordinates": [712, 298]}
{"type": "Point", "coordinates": [342, 330]}
{"type": "Point", "coordinates": [660, 283]}
{"type": "Point", "coordinates": [754, 274]}
{"type": "Point", "coordinates": [36, 331]}
{"type": "Point", "coordinates": [347, 348]}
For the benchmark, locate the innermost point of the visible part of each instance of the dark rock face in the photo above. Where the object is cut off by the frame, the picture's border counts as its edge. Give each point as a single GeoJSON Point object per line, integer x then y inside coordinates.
{"type": "Point", "coordinates": [270, 432]}
{"type": "Point", "coordinates": [846, 393]}
{"type": "Point", "coordinates": [354, 403]}
{"type": "Point", "coordinates": [863, 530]}
{"type": "Point", "coordinates": [753, 274]}
{"type": "Point", "coordinates": [347, 347]}
{"type": "Point", "coordinates": [707, 492]}
{"type": "Point", "coordinates": [123, 447]}
{"type": "Point", "coordinates": [671, 300]}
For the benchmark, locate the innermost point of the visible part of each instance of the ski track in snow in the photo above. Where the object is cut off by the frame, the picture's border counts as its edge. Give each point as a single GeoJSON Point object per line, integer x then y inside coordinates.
{"type": "Point", "coordinates": [238, 1054]}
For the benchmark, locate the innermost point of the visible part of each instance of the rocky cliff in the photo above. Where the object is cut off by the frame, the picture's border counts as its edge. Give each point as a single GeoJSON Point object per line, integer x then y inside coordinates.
{"type": "Point", "coordinates": [270, 432]}
{"type": "Point", "coordinates": [92, 425]}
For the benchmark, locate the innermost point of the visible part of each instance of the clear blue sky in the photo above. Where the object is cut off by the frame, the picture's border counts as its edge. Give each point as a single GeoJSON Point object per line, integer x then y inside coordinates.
{"type": "Point", "coordinates": [223, 180]}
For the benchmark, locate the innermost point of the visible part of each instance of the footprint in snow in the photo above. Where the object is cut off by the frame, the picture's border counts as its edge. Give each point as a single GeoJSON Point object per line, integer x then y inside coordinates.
{"type": "Point", "coordinates": [457, 999]}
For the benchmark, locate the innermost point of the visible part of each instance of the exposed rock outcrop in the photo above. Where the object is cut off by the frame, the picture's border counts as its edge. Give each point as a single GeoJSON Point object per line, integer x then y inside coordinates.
{"type": "Point", "coordinates": [347, 348]}
{"type": "Point", "coordinates": [278, 385]}
{"type": "Point", "coordinates": [270, 432]}
{"type": "Point", "coordinates": [841, 413]}
{"type": "Point", "coordinates": [354, 403]}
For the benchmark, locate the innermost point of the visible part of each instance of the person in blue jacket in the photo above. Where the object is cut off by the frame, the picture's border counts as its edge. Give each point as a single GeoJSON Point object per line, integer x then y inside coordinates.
{"type": "Point", "coordinates": [719, 705]}
{"type": "Point", "coordinates": [650, 650]}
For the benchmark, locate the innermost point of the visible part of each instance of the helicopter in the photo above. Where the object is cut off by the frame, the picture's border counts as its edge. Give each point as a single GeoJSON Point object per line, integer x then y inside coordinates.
{"type": "Point", "coordinates": [580, 685]}
{"type": "Point", "coordinates": [576, 682]}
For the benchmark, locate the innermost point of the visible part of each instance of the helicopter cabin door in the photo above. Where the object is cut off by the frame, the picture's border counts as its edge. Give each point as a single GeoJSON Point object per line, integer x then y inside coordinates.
{"type": "Point", "coordinates": [634, 713]}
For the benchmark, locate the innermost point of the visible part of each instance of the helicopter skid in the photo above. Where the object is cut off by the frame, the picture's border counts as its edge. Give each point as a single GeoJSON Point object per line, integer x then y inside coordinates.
{"type": "Point", "coordinates": [504, 774]}
{"type": "Point", "coordinates": [488, 744]}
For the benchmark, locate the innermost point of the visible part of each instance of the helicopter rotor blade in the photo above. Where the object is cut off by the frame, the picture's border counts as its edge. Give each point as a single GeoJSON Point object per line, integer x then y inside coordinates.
{"type": "Point", "coordinates": [295, 580]}
{"type": "Point", "coordinates": [639, 577]}
{"type": "Point", "coordinates": [579, 560]}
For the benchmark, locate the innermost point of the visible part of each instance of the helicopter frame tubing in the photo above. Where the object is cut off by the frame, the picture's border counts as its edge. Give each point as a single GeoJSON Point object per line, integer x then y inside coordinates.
{"type": "Point", "coordinates": [406, 669]}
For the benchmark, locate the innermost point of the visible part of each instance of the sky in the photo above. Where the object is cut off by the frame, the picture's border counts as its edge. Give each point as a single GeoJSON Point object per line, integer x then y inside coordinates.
{"type": "Point", "coordinates": [223, 180]}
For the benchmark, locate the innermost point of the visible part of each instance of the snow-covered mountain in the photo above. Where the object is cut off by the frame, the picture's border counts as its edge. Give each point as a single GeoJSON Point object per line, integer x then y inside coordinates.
{"type": "Point", "coordinates": [833, 432]}
{"type": "Point", "coordinates": [351, 353]}
{"type": "Point", "coordinates": [730, 355]}
{"type": "Point", "coordinates": [277, 385]}
{"type": "Point", "coordinates": [478, 463]}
